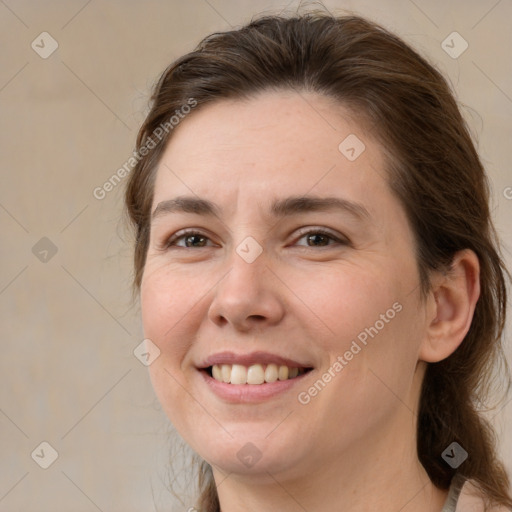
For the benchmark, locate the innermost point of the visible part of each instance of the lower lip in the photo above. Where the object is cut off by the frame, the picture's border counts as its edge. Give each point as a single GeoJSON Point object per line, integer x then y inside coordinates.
{"type": "Point", "coordinates": [250, 393]}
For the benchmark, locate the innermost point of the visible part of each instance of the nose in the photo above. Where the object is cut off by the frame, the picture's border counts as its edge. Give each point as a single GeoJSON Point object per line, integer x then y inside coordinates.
{"type": "Point", "coordinates": [248, 297]}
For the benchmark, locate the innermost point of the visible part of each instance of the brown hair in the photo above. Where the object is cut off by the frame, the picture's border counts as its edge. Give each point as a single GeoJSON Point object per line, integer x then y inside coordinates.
{"type": "Point", "coordinates": [433, 169]}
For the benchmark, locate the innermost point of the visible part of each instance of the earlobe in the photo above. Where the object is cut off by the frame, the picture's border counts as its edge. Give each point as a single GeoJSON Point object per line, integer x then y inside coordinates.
{"type": "Point", "coordinates": [450, 307]}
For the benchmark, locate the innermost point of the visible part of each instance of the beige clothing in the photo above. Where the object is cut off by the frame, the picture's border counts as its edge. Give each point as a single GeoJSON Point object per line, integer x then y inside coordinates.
{"type": "Point", "coordinates": [452, 501]}
{"type": "Point", "coordinates": [463, 497]}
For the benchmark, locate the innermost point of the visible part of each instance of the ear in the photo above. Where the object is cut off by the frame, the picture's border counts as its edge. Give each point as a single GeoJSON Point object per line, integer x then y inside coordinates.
{"type": "Point", "coordinates": [450, 307]}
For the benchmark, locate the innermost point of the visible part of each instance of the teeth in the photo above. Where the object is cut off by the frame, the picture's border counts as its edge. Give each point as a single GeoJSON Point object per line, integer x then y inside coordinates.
{"type": "Point", "coordinates": [226, 372]}
{"type": "Point", "coordinates": [238, 374]}
{"type": "Point", "coordinates": [254, 374]}
{"type": "Point", "coordinates": [271, 373]}
{"type": "Point", "coordinates": [217, 373]}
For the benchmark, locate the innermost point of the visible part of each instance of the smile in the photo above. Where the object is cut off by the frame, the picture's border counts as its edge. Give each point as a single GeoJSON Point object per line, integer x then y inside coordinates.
{"type": "Point", "coordinates": [251, 378]}
{"type": "Point", "coordinates": [254, 374]}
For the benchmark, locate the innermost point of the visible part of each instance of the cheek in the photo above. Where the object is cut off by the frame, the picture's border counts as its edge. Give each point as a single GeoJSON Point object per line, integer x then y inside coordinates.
{"type": "Point", "coordinates": [346, 300]}
{"type": "Point", "coordinates": [367, 383]}
{"type": "Point", "coordinates": [169, 297]}
{"type": "Point", "coordinates": [169, 304]}
{"type": "Point", "coordinates": [372, 333]}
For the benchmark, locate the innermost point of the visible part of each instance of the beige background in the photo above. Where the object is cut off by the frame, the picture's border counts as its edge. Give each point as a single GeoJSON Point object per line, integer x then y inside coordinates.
{"type": "Point", "coordinates": [68, 122]}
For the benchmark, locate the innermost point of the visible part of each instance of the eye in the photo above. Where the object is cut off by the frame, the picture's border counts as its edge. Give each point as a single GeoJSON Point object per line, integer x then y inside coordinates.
{"type": "Point", "coordinates": [190, 240]}
{"type": "Point", "coordinates": [320, 238]}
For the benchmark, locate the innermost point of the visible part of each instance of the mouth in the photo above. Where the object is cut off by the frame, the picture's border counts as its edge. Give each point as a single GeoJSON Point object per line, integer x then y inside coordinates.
{"type": "Point", "coordinates": [255, 374]}
{"type": "Point", "coordinates": [251, 378]}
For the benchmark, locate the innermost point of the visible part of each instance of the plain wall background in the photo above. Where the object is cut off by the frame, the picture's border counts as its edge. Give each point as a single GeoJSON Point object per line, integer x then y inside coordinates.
{"type": "Point", "coordinates": [68, 122]}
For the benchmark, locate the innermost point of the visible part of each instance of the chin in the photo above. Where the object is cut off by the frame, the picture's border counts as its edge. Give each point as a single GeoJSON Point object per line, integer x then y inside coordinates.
{"type": "Point", "coordinates": [251, 454]}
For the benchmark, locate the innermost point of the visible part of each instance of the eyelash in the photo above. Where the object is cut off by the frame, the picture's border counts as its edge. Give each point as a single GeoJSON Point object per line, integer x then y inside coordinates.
{"type": "Point", "coordinates": [171, 242]}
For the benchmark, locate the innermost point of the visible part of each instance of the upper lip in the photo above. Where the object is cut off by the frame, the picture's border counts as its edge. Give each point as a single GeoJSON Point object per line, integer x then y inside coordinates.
{"type": "Point", "coordinates": [250, 359]}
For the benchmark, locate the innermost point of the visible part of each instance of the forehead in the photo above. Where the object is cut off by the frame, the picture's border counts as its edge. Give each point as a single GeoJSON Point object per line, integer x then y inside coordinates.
{"type": "Point", "coordinates": [274, 141]}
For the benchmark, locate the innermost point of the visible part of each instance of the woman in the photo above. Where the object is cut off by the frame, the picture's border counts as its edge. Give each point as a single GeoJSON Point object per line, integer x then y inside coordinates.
{"type": "Point", "coordinates": [319, 272]}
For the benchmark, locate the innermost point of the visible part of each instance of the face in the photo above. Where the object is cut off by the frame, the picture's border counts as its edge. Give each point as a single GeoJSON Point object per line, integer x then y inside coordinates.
{"type": "Point", "coordinates": [275, 251]}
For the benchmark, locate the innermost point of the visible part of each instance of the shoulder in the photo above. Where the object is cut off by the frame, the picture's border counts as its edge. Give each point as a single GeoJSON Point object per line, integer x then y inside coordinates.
{"type": "Point", "coordinates": [471, 500]}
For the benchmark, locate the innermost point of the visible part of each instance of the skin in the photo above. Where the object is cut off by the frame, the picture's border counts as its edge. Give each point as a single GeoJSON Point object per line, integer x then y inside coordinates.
{"type": "Point", "coordinates": [354, 443]}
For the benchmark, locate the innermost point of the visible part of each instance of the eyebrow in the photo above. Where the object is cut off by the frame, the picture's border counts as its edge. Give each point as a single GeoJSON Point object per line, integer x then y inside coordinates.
{"type": "Point", "coordinates": [280, 208]}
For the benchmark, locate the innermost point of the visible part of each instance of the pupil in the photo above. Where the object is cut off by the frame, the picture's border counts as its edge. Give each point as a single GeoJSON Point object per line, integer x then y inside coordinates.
{"type": "Point", "coordinates": [318, 238]}
{"type": "Point", "coordinates": [191, 238]}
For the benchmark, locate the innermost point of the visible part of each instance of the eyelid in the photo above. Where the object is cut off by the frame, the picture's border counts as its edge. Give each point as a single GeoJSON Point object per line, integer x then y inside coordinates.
{"type": "Point", "coordinates": [169, 242]}
{"type": "Point", "coordinates": [182, 233]}
{"type": "Point", "coordinates": [340, 239]}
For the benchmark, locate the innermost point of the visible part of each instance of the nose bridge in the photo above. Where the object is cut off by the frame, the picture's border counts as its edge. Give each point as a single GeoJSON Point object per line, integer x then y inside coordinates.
{"type": "Point", "coordinates": [247, 293]}
{"type": "Point", "coordinates": [247, 256]}
{"type": "Point", "coordinates": [248, 263]}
